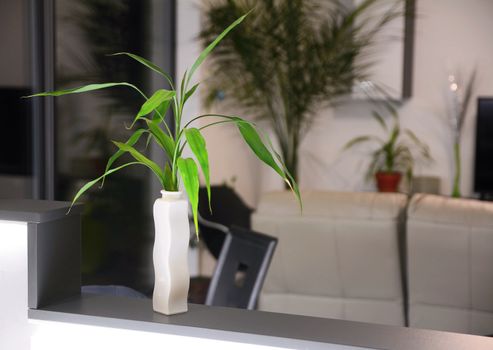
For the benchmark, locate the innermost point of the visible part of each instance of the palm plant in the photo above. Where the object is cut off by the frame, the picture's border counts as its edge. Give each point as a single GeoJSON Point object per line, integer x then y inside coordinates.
{"type": "Point", "coordinates": [152, 113]}
{"type": "Point", "coordinates": [394, 153]}
{"type": "Point", "coordinates": [292, 58]}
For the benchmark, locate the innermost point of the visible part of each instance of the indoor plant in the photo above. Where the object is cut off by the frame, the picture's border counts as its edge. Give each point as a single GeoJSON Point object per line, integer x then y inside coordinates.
{"type": "Point", "coordinates": [458, 97]}
{"type": "Point", "coordinates": [393, 154]}
{"type": "Point", "coordinates": [290, 60]}
{"type": "Point", "coordinates": [171, 211]}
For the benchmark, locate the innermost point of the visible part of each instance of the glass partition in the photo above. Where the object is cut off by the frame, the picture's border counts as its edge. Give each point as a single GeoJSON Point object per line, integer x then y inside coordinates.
{"type": "Point", "coordinates": [117, 223]}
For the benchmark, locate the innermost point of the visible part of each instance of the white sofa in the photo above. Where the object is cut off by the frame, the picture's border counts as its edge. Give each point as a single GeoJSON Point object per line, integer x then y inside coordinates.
{"type": "Point", "coordinates": [340, 259]}
{"type": "Point", "coordinates": [450, 264]}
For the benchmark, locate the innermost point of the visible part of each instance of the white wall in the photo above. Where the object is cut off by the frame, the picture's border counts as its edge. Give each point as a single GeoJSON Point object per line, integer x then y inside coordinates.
{"type": "Point", "coordinates": [450, 34]}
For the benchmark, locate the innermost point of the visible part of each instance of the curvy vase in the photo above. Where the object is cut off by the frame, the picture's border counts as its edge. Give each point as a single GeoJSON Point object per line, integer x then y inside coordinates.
{"type": "Point", "coordinates": [170, 254]}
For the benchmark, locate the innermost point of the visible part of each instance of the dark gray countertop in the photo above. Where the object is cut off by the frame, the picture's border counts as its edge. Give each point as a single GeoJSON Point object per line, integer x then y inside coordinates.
{"type": "Point", "coordinates": [34, 210]}
{"type": "Point", "coordinates": [253, 327]}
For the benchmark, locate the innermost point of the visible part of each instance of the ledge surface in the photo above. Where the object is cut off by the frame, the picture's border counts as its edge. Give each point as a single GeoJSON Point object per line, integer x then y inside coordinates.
{"type": "Point", "coordinates": [37, 211]}
{"type": "Point", "coordinates": [253, 327]}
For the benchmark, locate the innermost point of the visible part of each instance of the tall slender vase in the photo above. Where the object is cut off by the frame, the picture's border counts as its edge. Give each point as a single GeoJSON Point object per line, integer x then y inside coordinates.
{"type": "Point", "coordinates": [170, 254]}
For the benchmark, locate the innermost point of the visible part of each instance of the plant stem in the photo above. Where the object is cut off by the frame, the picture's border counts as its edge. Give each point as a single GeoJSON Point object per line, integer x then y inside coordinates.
{"type": "Point", "coordinates": [456, 189]}
{"type": "Point", "coordinates": [290, 156]}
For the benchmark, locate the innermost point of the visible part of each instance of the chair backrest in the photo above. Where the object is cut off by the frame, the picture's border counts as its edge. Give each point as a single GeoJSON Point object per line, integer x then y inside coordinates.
{"type": "Point", "coordinates": [241, 269]}
{"type": "Point", "coordinates": [214, 225]}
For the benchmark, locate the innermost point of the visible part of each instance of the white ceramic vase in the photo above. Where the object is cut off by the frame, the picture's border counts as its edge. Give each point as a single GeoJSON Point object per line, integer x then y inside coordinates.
{"type": "Point", "coordinates": [170, 254]}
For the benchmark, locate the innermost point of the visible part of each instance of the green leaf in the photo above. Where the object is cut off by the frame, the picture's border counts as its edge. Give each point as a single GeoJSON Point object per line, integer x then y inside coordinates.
{"type": "Point", "coordinates": [132, 140]}
{"type": "Point", "coordinates": [153, 103]}
{"type": "Point", "coordinates": [182, 86]}
{"type": "Point", "coordinates": [356, 141]}
{"type": "Point", "coordinates": [161, 111]}
{"type": "Point", "coordinates": [203, 55]}
{"type": "Point", "coordinates": [168, 179]}
{"type": "Point", "coordinates": [380, 120]}
{"type": "Point", "coordinates": [197, 144]}
{"type": "Point", "coordinates": [291, 183]}
{"type": "Point", "coordinates": [190, 176]}
{"type": "Point", "coordinates": [86, 88]}
{"type": "Point", "coordinates": [254, 141]}
{"type": "Point", "coordinates": [142, 160]}
{"type": "Point", "coordinates": [163, 140]}
{"type": "Point", "coordinates": [148, 64]}
{"type": "Point", "coordinates": [395, 134]}
{"type": "Point", "coordinates": [95, 181]}
{"type": "Point", "coordinates": [190, 92]}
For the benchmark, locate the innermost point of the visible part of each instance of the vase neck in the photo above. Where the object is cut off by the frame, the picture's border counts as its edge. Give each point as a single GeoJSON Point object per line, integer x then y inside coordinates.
{"type": "Point", "coordinates": [171, 195]}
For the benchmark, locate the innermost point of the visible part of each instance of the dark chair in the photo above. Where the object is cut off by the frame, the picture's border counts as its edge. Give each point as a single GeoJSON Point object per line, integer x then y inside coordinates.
{"type": "Point", "coordinates": [228, 210]}
{"type": "Point", "coordinates": [241, 269]}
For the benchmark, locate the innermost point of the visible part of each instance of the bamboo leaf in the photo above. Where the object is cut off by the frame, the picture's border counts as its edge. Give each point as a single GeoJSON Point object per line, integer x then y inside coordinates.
{"type": "Point", "coordinates": [95, 181]}
{"type": "Point", "coordinates": [255, 143]}
{"type": "Point", "coordinates": [153, 103]}
{"type": "Point", "coordinates": [142, 160]}
{"type": "Point", "coordinates": [190, 176]}
{"type": "Point", "coordinates": [291, 183]}
{"type": "Point", "coordinates": [148, 64]}
{"type": "Point", "coordinates": [197, 144]}
{"type": "Point", "coordinates": [133, 139]}
{"type": "Point", "coordinates": [163, 140]}
{"type": "Point", "coordinates": [161, 111]}
{"type": "Point", "coordinates": [168, 179]}
{"type": "Point", "coordinates": [86, 88]}
{"type": "Point", "coordinates": [182, 86]}
{"type": "Point", "coordinates": [203, 55]}
{"type": "Point", "coordinates": [190, 92]}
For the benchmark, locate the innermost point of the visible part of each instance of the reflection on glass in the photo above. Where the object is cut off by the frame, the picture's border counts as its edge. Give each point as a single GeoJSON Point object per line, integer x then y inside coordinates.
{"type": "Point", "coordinates": [15, 140]}
{"type": "Point", "coordinates": [116, 219]}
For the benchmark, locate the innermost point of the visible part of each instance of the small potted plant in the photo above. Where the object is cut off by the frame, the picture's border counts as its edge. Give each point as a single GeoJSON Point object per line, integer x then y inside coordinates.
{"type": "Point", "coordinates": [171, 211]}
{"type": "Point", "coordinates": [393, 155]}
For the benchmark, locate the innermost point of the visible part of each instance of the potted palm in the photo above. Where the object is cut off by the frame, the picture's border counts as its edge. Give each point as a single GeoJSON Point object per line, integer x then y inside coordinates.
{"type": "Point", "coordinates": [171, 210]}
{"type": "Point", "coordinates": [393, 155]}
{"type": "Point", "coordinates": [292, 59]}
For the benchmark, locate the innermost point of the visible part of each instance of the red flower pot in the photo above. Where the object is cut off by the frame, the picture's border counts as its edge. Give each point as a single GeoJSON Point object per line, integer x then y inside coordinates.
{"type": "Point", "coordinates": [388, 182]}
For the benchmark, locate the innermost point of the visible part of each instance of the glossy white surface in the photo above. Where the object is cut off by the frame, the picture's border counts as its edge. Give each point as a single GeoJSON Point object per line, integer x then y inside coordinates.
{"type": "Point", "coordinates": [14, 330]}
{"type": "Point", "coordinates": [170, 254]}
{"type": "Point", "coordinates": [62, 336]}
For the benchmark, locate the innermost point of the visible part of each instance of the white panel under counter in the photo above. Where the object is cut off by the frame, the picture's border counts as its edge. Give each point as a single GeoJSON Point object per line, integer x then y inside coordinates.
{"type": "Point", "coordinates": [14, 331]}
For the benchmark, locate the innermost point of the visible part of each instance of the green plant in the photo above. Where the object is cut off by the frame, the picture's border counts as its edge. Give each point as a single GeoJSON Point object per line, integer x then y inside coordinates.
{"type": "Point", "coordinates": [459, 94]}
{"type": "Point", "coordinates": [173, 143]}
{"type": "Point", "coordinates": [291, 59]}
{"type": "Point", "coordinates": [394, 153]}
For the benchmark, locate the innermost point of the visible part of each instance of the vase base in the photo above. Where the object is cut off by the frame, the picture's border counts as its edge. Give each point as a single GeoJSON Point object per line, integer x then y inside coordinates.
{"type": "Point", "coordinates": [170, 311]}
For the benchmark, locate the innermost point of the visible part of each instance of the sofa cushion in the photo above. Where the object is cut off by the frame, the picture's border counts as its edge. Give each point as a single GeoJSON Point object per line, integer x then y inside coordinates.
{"type": "Point", "coordinates": [344, 247]}
{"type": "Point", "coordinates": [450, 254]}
